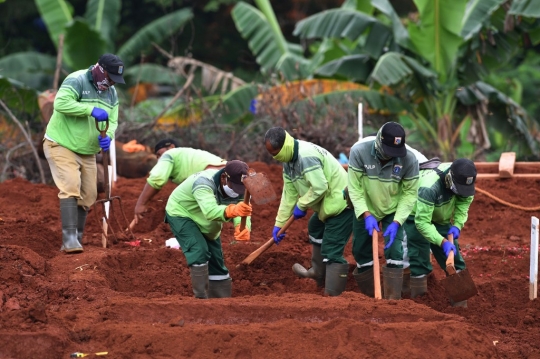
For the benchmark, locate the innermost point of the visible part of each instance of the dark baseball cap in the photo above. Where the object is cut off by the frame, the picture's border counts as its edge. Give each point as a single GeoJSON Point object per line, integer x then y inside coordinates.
{"type": "Point", "coordinates": [393, 140]}
{"type": "Point", "coordinates": [464, 176]}
{"type": "Point", "coordinates": [114, 67]}
{"type": "Point", "coordinates": [165, 143]}
{"type": "Point", "coordinates": [235, 171]}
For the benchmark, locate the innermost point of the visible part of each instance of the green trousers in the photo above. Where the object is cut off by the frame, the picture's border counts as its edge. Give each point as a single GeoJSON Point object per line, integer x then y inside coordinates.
{"type": "Point", "coordinates": [331, 235]}
{"type": "Point", "coordinates": [363, 245]}
{"type": "Point", "coordinates": [419, 250]}
{"type": "Point", "coordinates": [198, 249]}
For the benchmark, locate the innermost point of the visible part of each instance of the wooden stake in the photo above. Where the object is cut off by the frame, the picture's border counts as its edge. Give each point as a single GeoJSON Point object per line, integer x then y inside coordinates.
{"type": "Point", "coordinates": [506, 164]}
{"type": "Point", "coordinates": [533, 275]}
{"type": "Point", "coordinates": [376, 270]}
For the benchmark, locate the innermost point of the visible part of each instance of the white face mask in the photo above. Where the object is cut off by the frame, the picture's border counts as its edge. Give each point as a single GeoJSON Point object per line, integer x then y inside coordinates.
{"type": "Point", "coordinates": [229, 192]}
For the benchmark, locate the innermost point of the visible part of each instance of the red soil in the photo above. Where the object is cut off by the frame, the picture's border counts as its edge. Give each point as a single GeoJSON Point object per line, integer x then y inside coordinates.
{"type": "Point", "coordinates": [136, 302]}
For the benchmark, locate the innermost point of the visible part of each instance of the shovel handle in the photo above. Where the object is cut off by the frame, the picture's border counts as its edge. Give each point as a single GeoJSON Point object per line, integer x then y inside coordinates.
{"type": "Point", "coordinates": [450, 260]}
{"type": "Point", "coordinates": [376, 272]}
{"type": "Point", "coordinates": [247, 197]}
{"type": "Point", "coordinates": [268, 244]}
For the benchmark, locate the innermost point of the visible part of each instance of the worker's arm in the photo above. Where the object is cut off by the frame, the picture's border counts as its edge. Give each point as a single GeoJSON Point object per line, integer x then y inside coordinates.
{"type": "Point", "coordinates": [146, 195]}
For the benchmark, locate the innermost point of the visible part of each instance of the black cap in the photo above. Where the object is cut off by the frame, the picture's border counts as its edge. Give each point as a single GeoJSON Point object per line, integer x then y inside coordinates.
{"type": "Point", "coordinates": [235, 171]}
{"type": "Point", "coordinates": [463, 176]}
{"type": "Point", "coordinates": [165, 143]}
{"type": "Point", "coordinates": [393, 140]}
{"type": "Point", "coordinates": [114, 67]}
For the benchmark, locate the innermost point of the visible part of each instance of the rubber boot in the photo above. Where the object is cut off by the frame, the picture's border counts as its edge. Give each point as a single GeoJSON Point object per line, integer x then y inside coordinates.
{"type": "Point", "coordinates": [220, 288]}
{"type": "Point", "coordinates": [68, 214]}
{"type": "Point", "coordinates": [392, 282]}
{"type": "Point", "coordinates": [462, 304]}
{"type": "Point", "coordinates": [317, 270]}
{"type": "Point", "coordinates": [406, 288]}
{"type": "Point", "coordinates": [418, 286]}
{"type": "Point", "coordinates": [365, 281]}
{"type": "Point", "coordinates": [199, 280]}
{"type": "Point", "coordinates": [336, 278]}
{"type": "Point", "coordinates": [81, 222]}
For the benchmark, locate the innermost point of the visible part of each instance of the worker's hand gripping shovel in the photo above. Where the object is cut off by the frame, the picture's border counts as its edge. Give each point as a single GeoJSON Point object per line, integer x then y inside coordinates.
{"type": "Point", "coordinates": [107, 202]}
{"type": "Point", "coordinates": [458, 285]}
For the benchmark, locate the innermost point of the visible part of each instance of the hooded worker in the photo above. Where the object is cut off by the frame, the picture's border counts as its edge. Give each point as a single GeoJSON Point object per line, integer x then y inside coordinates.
{"type": "Point", "coordinates": [195, 211]}
{"type": "Point", "coordinates": [314, 179]}
{"type": "Point", "coordinates": [382, 185]}
{"type": "Point", "coordinates": [445, 195]}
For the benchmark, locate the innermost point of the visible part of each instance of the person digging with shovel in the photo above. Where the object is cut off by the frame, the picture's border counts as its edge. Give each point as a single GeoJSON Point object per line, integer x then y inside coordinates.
{"type": "Point", "coordinates": [71, 141]}
{"type": "Point", "coordinates": [195, 212]}
{"type": "Point", "coordinates": [314, 179]}
{"type": "Point", "coordinates": [382, 186]}
{"type": "Point", "coordinates": [445, 195]}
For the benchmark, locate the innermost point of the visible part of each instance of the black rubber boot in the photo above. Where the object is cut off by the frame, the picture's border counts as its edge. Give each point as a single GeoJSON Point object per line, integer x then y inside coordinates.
{"type": "Point", "coordinates": [336, 278]}
{"type": "Point", "coordinates": [392, 282]}
{"type": "Point", "coordinates": [68, 214]}
{"type": "Point", "coordinates": [199, 280]}
{"type": "Point", "coordinates": [220, 288]}
{"type": "Point", "coordinates": [81, 222]}
{"type": "Point", "coordinates": [418, 286]}
{"type": "Point", "coordinates": [317, 270]}
{"type": "Point", "coordinates": [406, 288]}
{"type": "Point", "coordinates": [365, 281]}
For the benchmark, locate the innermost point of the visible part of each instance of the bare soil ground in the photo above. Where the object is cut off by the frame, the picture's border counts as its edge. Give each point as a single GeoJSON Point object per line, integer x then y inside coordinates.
{"type": "Point", "coordinates": [136, 302]}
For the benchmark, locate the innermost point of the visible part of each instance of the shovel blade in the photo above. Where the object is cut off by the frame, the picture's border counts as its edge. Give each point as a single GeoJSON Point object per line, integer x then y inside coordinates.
{"type": "Point", "coordinates": [260, 188]}
{"type": "Point", "coordinates": [459, 286]}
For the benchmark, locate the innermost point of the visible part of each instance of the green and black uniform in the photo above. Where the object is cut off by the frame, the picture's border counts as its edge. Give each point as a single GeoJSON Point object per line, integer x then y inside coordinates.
{"type": "Point", "coordinates": [436, 210]}
{"type": "Point", "coordinates": [195, 212]}
{"type": "Point", "coordinates": [387, 191]}
{"type": "Point", "coordinates": [314, 179]}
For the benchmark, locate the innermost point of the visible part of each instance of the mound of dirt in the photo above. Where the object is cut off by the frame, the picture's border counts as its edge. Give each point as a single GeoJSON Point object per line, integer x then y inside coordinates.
{"type": "Point", "coordinates": [136, 301]}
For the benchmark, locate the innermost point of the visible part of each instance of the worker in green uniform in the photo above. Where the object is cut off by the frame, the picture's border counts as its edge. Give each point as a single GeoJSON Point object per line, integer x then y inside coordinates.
{"type": "Point", "coordinates": [314, 179]}
{"type": "Point", "coordinates": [195, 211]}
{"type": "Point", "coordinates": [382, 186]}
{"type": "Point", "coordinates": [72, 141]}
{"type": "Point", "coordinates": [445, 194]}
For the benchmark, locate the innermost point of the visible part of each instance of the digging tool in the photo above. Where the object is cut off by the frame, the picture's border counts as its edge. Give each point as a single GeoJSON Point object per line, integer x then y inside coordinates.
{"type": "Point", "coordinates": [267, 245]}
{"type": "Point", "coordinates": [376, 271]}
{"type": "Point", "coordinates": [458, 285]}
{"type": "Point", "coordinates": [259, 189]}
{"type": "Point", "coordinates": [107, 203]}
{"type": "Point", "coordinates": [82, 355]}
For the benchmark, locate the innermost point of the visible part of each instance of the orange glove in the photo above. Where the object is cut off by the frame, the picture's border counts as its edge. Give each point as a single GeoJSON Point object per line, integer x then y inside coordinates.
{"type": "Point", "coordinates": [238, 210]}
{"type": "Point", "coordinates": [241, 236]}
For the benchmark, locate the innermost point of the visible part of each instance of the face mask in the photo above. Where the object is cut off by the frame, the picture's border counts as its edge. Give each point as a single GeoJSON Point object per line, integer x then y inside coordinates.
{"type": "Point", "coordinates": [378, 148]}
{"type": "Point", "coordinates": [450, 183]}
{"type": "Point", "coordinates": [287, 151]}
{"type": "Point", "coordinates": [229, 192]}
{"type": "Point", "coordinates": [99, 78]}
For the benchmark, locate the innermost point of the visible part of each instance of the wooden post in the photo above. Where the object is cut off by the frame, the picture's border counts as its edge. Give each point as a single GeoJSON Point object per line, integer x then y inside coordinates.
{"type": "Point", "coordinates": [506, 164]}
{"type": "Point", "coordinates": [376, 269]}
{"type": "Point", "coordinates": [533, 275]}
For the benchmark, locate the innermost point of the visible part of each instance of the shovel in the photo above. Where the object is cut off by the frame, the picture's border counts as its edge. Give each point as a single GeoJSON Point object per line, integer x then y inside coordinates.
{"type": "Point", "coordinates": [376, 270]}
{"type": "Point", "coordinates": [459, 286]}
{"type": "Point", "coordinates": [259, 189]}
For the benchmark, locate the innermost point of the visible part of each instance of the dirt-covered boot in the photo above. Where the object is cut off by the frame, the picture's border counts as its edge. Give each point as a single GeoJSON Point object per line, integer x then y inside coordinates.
{"type": "Point", "coordinates": [365, 281]}
{"type": "Point", "coordinates": [392, 282]}
{"type": "Point", "coordinates": [220, 288]}
{"type": "Point", "coordinates": [336, 278]}
{"type": "Point", "coordinates": [317, 270]}
{"type": "Point", "coordinates": [81, 222]}
{"type": "Point", "coordinates": [418, 286]}
{"type": "Point", "coordinates": [68, 214]}
{"type": "Point", "coordinates": [199, 280]}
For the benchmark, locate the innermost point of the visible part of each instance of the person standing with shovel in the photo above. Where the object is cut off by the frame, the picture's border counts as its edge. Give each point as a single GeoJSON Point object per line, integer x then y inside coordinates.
{"type": "Point", "coordinates": [314, 179]}
{"type": "Point", "coordinates": [71, 141]}
{"type": "Point", "coordinates": [445, 195]}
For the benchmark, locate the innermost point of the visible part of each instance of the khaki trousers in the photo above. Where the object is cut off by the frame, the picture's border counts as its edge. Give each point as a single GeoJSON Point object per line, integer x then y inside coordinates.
{"type": "Point", "coordinates": [74, 174]}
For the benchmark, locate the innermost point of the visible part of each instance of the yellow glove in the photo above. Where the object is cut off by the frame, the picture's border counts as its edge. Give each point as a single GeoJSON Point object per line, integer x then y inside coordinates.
{"type": "Point", "coordinates": [238, 210]}
{"type": "Point", "coordinates": [241, 235]}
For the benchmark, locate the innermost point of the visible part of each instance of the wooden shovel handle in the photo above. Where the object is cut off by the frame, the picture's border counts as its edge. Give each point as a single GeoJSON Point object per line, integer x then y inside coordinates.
{"type": "Point", "coordinates": [247, 196]}
{"type": "Point", "coordinates": [268, 244]}
{"type": "Point", "coordinates": [376, 272]}
{"type": "Point", "coordinates": [450, 269]}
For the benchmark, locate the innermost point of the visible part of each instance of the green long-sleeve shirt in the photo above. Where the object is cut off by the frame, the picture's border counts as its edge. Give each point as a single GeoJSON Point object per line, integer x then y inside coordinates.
{"type": "Point", "coordinates": [382, 190]}
{"type": "Point", "coordinates": [312, 179]}
{"type": "Point", "coordinates": [177, 164]}
{"type": "Point", "coordinates": [438, 205]}
{"type": "Point", "coordinates": [71, 124]}
{"type": "Point", "coordinates": [199, 198]}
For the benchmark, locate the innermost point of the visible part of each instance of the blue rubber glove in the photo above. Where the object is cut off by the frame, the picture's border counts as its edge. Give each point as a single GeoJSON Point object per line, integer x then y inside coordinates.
{"type": "Point", "coordinates": [448, 246]}
{"type": "Point", "coordinates": [298, 213]}
{"type": "Point", "coordinates": [371, 224]}
{"type": "Point", "coordinates": [104, 143]}
{"type": "Point", "coordinates": [100, 114]}
{"type": "Point", "coordinates": [455, 231]}
{"type": "Point", "coordinates": [277, 238]}
{"type": "Point", "coordinates": [391, 231]}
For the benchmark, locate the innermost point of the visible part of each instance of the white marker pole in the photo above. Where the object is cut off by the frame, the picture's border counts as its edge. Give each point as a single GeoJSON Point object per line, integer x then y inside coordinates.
{"type": "Point", "coordinates": [360, 121]}
{"type": "Point", "coordinates": [533, 275]}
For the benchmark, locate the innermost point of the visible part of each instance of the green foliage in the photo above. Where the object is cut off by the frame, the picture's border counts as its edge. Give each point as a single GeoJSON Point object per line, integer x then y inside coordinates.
{"type": "Point", "coordinates": [104, 16]}
{"type": "Point", "coordinates": [55, 13]}
{"type": "Point", "coordinates": [77, 54]}
{"type": "Point", "coordinates": [18, 97]}
{"type": "Point", "coordinates": [34, 70]}
{"type": "Point", "coordinates": [152, 73]}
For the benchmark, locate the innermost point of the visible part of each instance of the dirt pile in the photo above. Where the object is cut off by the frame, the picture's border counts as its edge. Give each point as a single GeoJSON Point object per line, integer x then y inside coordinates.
{"type": "Point", "coordinates": [136, 302]}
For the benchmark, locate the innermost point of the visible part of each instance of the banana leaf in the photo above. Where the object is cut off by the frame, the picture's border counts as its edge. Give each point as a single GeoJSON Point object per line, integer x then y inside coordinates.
{"type": "Point", "coordinates": [352, 68]}
{"type": "Point", "coordinates": [478, 11]}
{"type": "Point", "coordinates": [33, 69]}
{"type": "Point", "coordinates": [18, 97]}
{"type": "Point", "coordinates": [77, 53]}
{"type": "Point", "coordinates": [104, 16]}
{"type": "Point", "coordinates": [153, 73]}
{"type": "Point", "coordinates": [236, 104]}
{"type": "Point", "coordinates": [526, 8]}
{"type": "Point", "coordinates": [56, 14]}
